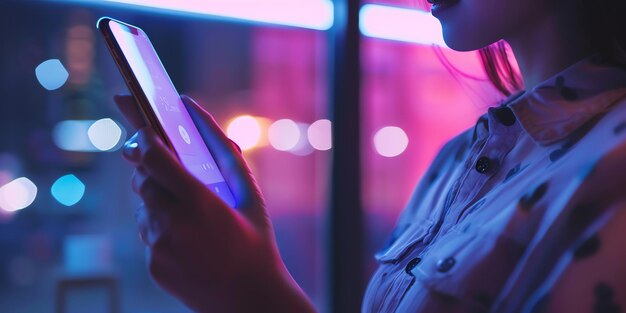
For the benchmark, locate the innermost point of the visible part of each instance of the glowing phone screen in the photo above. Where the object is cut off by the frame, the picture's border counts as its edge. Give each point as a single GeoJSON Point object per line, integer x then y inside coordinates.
{"type": "Point", "coordinates": [169, 109]}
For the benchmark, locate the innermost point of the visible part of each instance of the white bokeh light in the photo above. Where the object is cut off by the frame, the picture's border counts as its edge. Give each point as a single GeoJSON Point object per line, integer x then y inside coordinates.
{"type": "Point", "coordinates": [244, 130]}
{"type": "Point", "coordinates": [320, 135]}
{"type": "Point", "coordinates": [303, 146]}
{"type": "Point", "coordinates": [390, 141]}
{"type": "Point", "coordinates": [17, 194]}
{"type": "Point", "coordinates": [105, 134]}
{"type": "Point", "coordinates": [284, 134]}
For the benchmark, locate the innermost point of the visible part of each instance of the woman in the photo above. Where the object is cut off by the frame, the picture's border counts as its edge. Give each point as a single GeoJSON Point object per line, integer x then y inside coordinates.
{"type": "Point", "coordinates": [524, 212]}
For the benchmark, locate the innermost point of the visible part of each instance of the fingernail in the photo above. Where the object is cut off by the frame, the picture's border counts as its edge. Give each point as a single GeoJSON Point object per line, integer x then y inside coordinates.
{"type": "Point", "coordinates": [131, 150]}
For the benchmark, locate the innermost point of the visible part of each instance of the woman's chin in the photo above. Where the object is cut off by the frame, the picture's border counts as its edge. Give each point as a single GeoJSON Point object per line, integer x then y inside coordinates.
{"type": "Point", "coordinates": [464, 42]}
{"type": "Point", "coordinates": [460, 46]}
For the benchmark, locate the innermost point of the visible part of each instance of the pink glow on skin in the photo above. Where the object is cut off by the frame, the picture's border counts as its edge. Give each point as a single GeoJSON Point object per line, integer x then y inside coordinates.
{"type": "Point", "coordinates": [313, 14]}
{"type": "Point", "coordinates": [400, 24]}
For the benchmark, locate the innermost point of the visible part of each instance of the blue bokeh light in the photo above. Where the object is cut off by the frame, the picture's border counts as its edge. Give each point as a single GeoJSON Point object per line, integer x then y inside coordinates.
{"type": "Point", "coordinates": [72, 135]}
{"type": "Point", "coordinates": [68, 190]}
{"type": "Point", "coordinates": [51, 74]}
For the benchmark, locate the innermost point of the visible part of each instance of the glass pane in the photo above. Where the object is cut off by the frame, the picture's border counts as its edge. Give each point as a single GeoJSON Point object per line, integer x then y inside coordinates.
{"type": "Point", "coordinates": [81, 221]}
{"type": "Point", "coordinates": [421, 92]}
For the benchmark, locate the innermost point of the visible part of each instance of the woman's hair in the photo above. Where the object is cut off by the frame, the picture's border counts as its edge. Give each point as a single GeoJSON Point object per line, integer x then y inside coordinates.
{"type": "Point", "coordinates": [500, 71]}
{"type": "Point", "coordinates": [604, 24]}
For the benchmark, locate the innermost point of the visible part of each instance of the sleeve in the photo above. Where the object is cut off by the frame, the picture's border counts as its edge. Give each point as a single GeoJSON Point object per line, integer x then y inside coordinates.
{"type": "Point", "coordinates": [592, 276]}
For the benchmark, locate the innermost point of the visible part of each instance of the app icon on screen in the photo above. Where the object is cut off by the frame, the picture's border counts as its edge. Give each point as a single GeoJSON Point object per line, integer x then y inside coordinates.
{"type": "Point", "coordinates": [184, 134]}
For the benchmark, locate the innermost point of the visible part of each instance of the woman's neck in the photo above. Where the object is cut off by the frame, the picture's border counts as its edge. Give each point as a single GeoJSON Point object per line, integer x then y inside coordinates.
{"type": "Point", "coordinates": [548, 46]}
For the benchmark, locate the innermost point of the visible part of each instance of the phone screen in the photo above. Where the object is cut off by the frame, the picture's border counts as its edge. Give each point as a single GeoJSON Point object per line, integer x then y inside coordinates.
{"type": "Point", "coordinates": [169, 108]}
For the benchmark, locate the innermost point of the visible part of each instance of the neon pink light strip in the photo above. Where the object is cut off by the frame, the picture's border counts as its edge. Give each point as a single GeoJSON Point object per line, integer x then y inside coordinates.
{"type": "Point", "coordinates": [400, 24]}
{"type": "Point", "coordinates": [312, 14]}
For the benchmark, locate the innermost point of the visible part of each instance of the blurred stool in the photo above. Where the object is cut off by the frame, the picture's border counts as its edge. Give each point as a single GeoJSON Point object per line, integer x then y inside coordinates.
{"type": "Point", "coordinates": [87, 266]}
{"type": "Point", "coordinates": [66, 285]}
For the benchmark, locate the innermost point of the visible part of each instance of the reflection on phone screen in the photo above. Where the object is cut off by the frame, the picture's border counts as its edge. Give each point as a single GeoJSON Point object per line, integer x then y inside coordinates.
{"type": "Point", "coordinates": [169, 109]}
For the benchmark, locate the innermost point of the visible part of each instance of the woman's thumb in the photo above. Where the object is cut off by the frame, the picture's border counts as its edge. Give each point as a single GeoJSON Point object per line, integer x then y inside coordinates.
{"type": "Point", "coordinates": [229, 159]}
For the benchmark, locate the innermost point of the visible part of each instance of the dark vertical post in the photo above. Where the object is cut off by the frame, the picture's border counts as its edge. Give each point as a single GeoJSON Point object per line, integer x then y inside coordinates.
{"type": "Point", "coordinates": [346, 264]}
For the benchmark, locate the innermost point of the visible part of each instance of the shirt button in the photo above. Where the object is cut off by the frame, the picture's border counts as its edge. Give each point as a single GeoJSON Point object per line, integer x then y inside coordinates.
{"type": "Point", "coordinates": [445, 265]}
{"type": "Point", "coordinates": [483, 165]}
{"type": "Point", "coordinates": [411, 265]}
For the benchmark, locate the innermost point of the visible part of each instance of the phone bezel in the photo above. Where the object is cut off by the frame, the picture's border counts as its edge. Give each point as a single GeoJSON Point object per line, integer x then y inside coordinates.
{"type": "Point", "coordinates": [149, 116]}
{"type": "Point", "coordinates": [131, 80]}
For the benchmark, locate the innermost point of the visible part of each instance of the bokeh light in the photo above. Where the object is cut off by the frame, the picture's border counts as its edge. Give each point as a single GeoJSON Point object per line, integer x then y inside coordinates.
{"type": "Point", "coordinates": [303, 146]}
{"type": "Point", "coordinates": [68, 190]}
{"type": "Point", "coordinates": [88, 135]}
{"type": "Point", "coordinates": [51, 74]}
{"type": "Point", "coordinates": [244, 130]}
{"type": "Point", "coordinates": [5, 177]}
{"type": "Point", "coordinates": [390, 141]}
{"type": "Point", "coordinates": [105, 134]}
{"type": "Point", "coordinates": [17, 194]}
{"type": "Point", "coordinates": [80, 47]}
{"type": "Point", "coordinates": [284, 134]}
{"type": "Point", "coordinates": [320, 135]}
{"type": "Point", "coordinates": [71, 135]}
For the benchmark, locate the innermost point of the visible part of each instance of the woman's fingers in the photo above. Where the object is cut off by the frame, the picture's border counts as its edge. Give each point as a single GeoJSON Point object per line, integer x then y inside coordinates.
{"type": "Point", "coordinates": [126, 104]}
{"type": "Point", "coordinates": [152, 193]}
{"type": "Point", "coordinates": [228, 157]}
{"type": "Point", "coordinates": [142, 220]}
{"type": "Point", "coordinates": [158, 208]}
{"type": "Point", "coordinates": [147, 151]}
{"type": "Point", "coordinates": [153, 224]}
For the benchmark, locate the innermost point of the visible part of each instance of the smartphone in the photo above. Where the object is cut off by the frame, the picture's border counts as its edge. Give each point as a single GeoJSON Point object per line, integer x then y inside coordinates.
{"type": "Point", "coordinates": [160, 103]}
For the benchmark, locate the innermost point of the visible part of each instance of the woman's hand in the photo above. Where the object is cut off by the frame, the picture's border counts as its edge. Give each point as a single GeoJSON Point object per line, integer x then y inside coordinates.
{"type": "Point", "coordinates": [212, 257]}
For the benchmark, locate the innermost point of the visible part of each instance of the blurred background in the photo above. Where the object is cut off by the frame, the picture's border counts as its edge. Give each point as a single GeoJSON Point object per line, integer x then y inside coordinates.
{"type": "Point", "coordinates": [68, 241]}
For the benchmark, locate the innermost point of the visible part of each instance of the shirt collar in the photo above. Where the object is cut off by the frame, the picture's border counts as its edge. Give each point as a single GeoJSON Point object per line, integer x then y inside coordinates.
{"type": "Point", "coordinates": [557, 107]}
